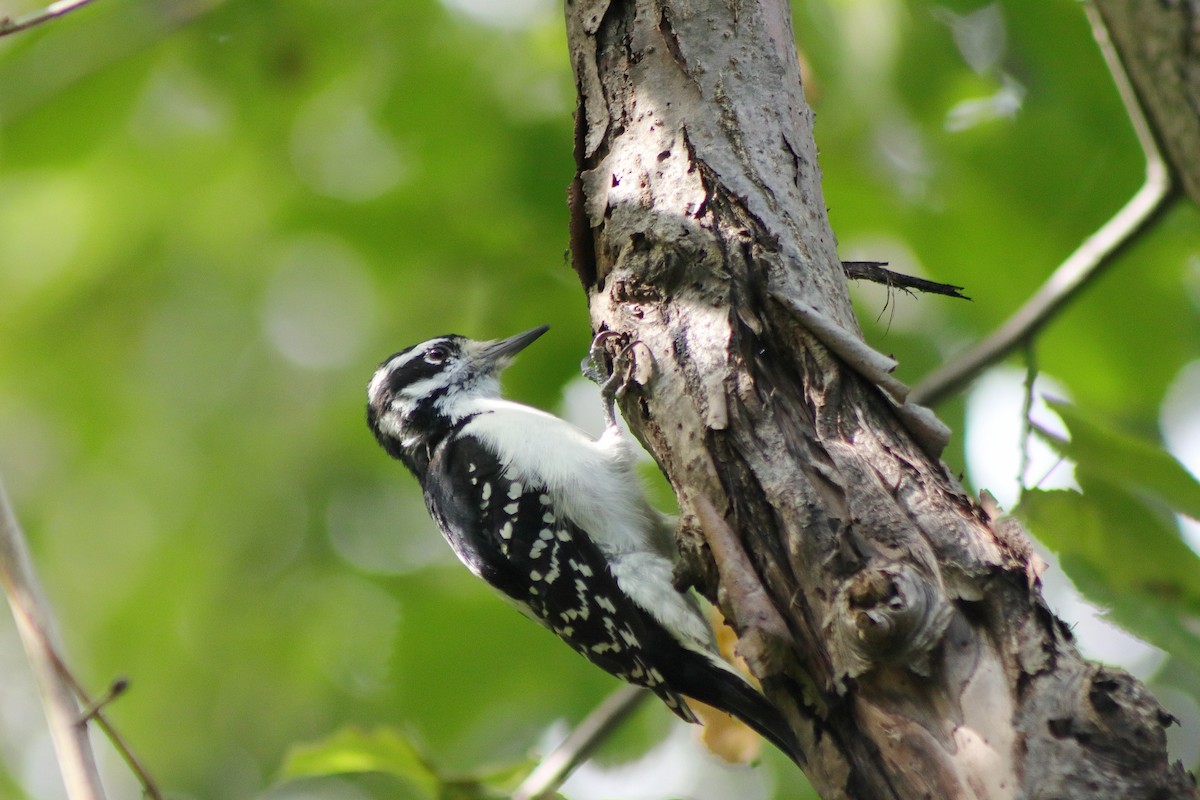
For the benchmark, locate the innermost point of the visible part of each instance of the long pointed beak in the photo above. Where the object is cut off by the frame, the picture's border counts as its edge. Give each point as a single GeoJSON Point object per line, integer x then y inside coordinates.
{"type": "Point", "coordinates": [497, 354]}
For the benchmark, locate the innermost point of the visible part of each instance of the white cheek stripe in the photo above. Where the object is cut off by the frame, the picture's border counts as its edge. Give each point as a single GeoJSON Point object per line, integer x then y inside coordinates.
{"type": "Point", "coordinates": [423, 387]}
{"type": "Point", "coordinates": [404, 358]}
{"type": "Point", "coordinates": [375, 387]}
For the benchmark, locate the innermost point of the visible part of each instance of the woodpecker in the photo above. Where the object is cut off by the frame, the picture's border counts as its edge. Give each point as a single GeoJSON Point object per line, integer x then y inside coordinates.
{"type": "Point", "coordinates": [556, 521]}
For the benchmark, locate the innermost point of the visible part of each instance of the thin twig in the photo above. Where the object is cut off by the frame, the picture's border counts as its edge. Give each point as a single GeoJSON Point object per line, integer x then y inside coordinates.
{"type": "Point", "coordinates": [35, 624]}
{"type": "Point", "coordinates": [558, 765]}
{"type": "Point", "coordinates": [94, 710]}
{"type": "Point", "coordinates": [94, 707]}
{"type": "Point", "coordinates": [1082, 266]}
{"type": "Point", "coordinates": [96, 713]}
{"type": "Point", "coordinates": [1031, 374]}
{"type": "Point", "coordinates": [10, 25]}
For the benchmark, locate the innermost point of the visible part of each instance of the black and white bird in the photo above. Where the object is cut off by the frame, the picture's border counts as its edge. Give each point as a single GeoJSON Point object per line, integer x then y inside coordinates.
{"type": "Point", "coordinates": [556, 521]}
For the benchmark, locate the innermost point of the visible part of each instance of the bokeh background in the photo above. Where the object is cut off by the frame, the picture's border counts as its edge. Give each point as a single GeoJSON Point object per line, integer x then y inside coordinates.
{"type": "Point", "coordinates": [216, 218]}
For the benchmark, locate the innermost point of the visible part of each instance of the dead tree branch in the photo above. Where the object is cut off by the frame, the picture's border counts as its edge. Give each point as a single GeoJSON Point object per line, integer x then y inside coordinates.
{"type": "Point", "coordinates": [875, 272]}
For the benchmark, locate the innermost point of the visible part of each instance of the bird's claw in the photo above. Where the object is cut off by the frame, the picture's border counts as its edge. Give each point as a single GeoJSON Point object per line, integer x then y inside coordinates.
{"type": "Point", "coordinates": [615, 382]}
{"type": "Point", "coordinates": [595, 366]}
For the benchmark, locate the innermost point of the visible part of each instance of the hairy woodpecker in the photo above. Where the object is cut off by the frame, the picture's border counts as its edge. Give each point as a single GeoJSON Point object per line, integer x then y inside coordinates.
{"type": "Point", "coordinates": [556, 521]}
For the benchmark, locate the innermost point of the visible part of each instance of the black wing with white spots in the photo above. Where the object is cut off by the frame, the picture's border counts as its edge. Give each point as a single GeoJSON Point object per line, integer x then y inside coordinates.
{"type": "Point", "coordinates": [511, 535]}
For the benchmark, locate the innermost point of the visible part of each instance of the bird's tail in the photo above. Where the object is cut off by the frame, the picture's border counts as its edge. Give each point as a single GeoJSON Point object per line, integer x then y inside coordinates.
{"type": "Point", "coordinates": [728, 691]}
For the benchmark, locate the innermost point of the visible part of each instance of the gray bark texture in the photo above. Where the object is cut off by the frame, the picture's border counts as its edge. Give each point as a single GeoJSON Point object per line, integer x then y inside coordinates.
{"type": "Point", "coordinates": [896, 622]}
{"type": "Point", "coordinates": [1159, 45]}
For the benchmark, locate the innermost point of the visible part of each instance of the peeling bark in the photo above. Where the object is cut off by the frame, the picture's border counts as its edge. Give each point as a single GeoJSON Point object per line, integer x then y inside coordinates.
{"type": "Point", "coordinates": [896, 624]}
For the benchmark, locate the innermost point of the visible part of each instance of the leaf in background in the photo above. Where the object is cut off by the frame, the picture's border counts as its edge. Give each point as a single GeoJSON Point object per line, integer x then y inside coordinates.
{"type": "Point", "coordinates": [9, 786]}
{"type": "Point", "coordinates": [1125, 557]}
{"type": "Point", "coordinates": [1116, 539]}
{"type": "Point", "coordinates": [1125, 460]}
{"type": "Point", "coordinates": [1155, 618]}
{"type": "Point", "coordinates": [508, 777]}
{"type": "Point", "coordinates": [352, 750]}
{"type": "Point", "coordinates": [387, 751]}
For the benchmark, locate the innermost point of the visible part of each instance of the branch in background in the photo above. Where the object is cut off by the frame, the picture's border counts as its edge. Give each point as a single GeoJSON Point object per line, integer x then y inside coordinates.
{"type": "Point", "coordinates": [10, 25]}
{"type": "Point", "coordinates": [58, 684]}
{"type": "Point", "coordinates": [94, 710]}
{"type": "Point", "coordinates": [1082, 266]}
{"type": "Point", "coordinates": [557, 766]}
{"type": "Point", "coordinates": [874, 271]}
{"type": "Point", "coordinates": [35, 624]}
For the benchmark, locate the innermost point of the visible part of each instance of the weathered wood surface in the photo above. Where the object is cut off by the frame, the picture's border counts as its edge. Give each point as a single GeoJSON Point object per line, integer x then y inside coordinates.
{"type": "Point", "coordinates": [896, 623]}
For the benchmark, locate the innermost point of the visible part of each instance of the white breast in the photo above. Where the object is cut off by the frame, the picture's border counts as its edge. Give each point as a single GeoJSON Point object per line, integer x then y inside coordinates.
{"type": "Point", "coordinates": [591, 481]}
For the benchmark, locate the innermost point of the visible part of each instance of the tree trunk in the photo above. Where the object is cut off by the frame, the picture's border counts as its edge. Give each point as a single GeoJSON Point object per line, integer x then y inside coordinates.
{"type": "Point", "coordinates": [1159, 44]}
{"type": "Point", "coordinates": [894, 621]}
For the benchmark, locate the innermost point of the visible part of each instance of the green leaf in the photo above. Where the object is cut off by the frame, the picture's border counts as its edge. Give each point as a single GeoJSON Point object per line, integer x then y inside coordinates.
{"type": "Point", "coordinates": [1154, 618]}
{"type": "Point", "coordinates": [353, 750]}
{"type": "Point", "coordinates": [471, 790]}
{"type": "Point", "coordinates": [1124, 557]}
{"type": "Point", "coordinates": [507, 777]}
{"type": "Point", "coordinates": [1125, 460]}
{"type": "Point", "coordinates": [1118, 535]}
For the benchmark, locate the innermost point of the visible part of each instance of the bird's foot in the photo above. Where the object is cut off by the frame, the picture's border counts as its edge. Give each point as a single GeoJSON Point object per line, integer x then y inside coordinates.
{"type": "Point", "coordinates": [614, 381]}
{"type": "Point", "coordinates": [596, 366]}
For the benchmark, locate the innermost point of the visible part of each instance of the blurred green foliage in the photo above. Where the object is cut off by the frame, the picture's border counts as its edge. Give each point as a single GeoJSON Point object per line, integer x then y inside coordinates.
{"type": "Point", "coordinates": [1117, 536]}
{"type": "Point", "coordinates": [386, 752]}
{"type": "Point", "coordinates": [217, 217]}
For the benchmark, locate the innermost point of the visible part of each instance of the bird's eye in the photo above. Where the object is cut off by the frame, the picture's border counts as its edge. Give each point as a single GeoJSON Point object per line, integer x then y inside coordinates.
{"type": "Point", "coordinates": [437, 354]}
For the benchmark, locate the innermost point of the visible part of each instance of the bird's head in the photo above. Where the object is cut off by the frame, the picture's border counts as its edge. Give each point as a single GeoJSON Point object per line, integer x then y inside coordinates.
{"type": "Point", "coordinates": [426, 388]}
